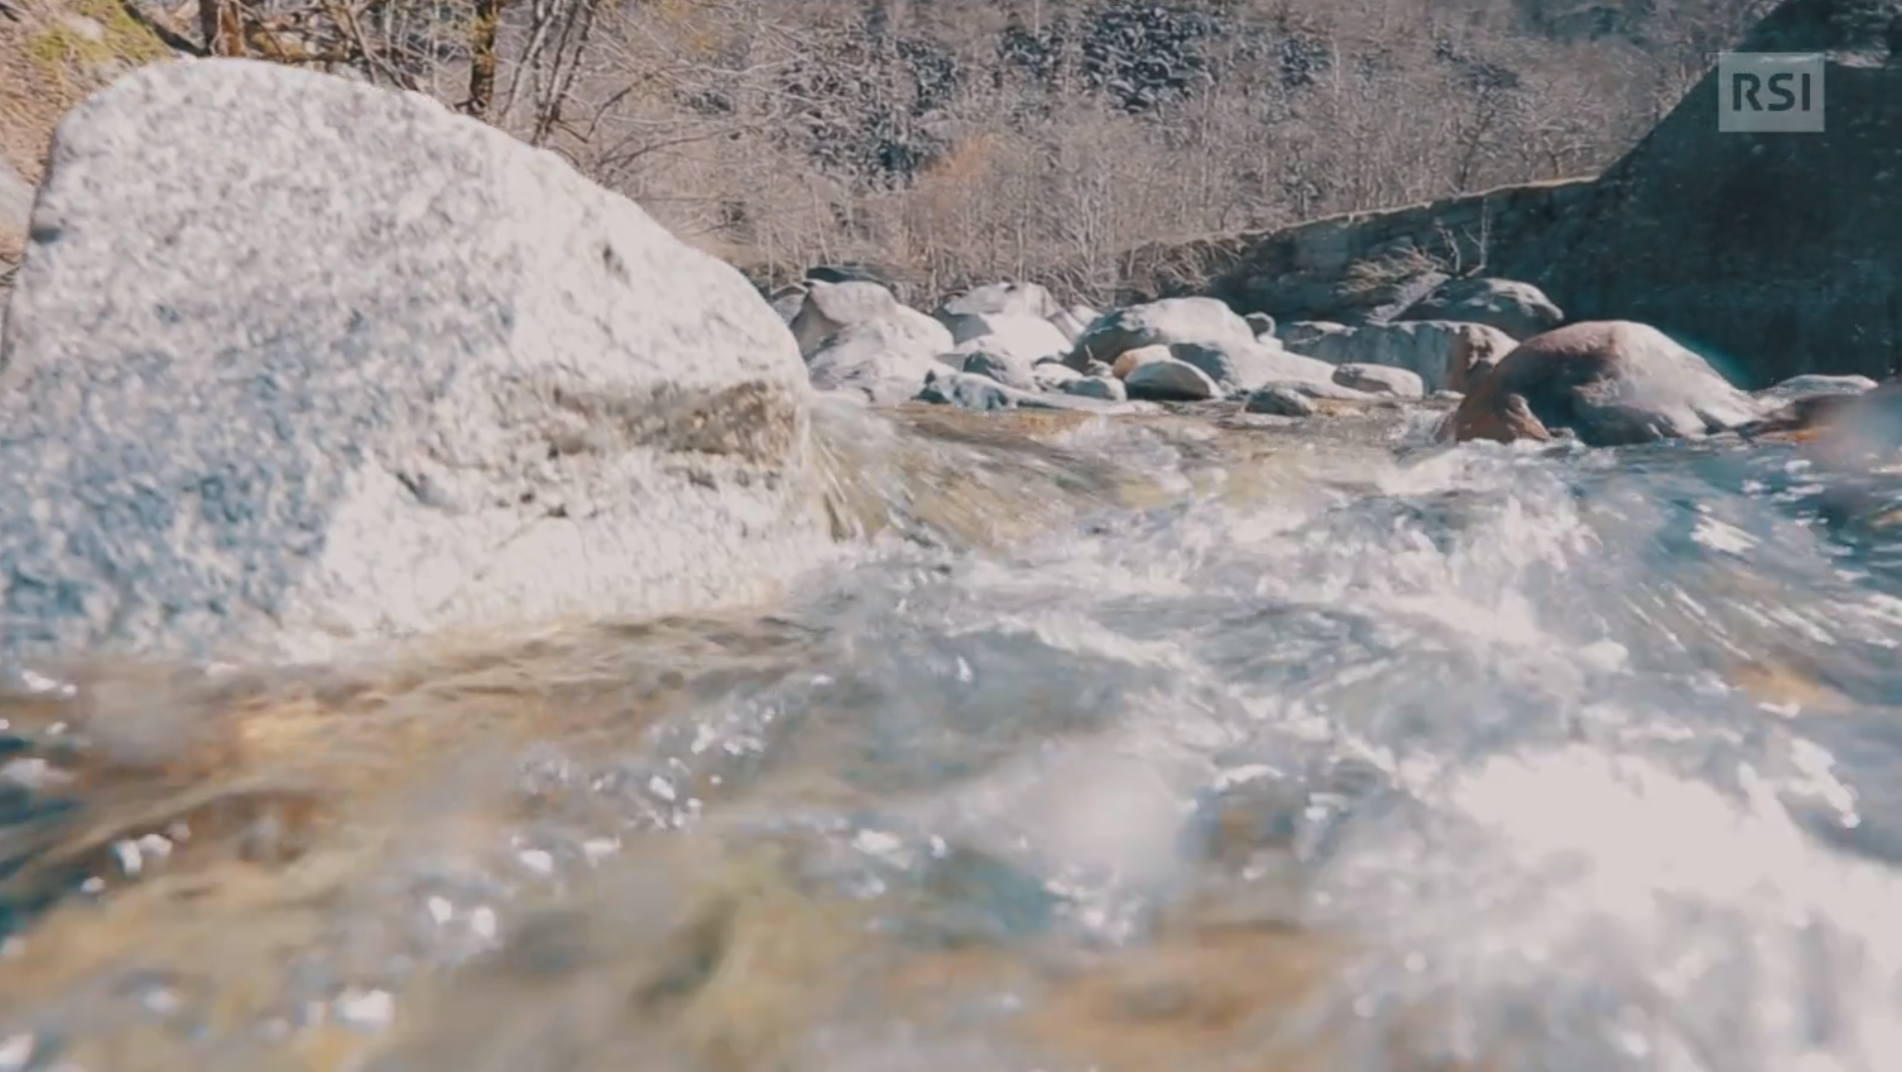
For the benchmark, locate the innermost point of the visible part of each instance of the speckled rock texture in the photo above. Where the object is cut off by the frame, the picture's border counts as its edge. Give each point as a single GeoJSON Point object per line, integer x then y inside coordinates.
{"type": "Point", "coordinates": [294, 363]}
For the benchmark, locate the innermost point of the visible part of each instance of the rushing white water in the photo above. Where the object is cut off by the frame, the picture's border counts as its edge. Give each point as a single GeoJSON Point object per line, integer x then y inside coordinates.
{"type": "Point", "coordinates": [1595, 754]}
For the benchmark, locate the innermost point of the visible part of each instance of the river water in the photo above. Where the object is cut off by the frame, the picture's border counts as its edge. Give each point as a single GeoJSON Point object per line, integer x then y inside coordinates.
{"type": "Point", "coordinates": [1123, 744]}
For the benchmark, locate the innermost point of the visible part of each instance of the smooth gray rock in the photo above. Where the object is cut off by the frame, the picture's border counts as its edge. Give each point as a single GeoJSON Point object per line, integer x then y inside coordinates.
{"type": "Point", "coordinates": [966, 390]}
{"type": "Point", "coordinates": [1445, 355]}
{"type": "Point", "coordinates": [830, 308]}
{"type": "Point", "coordinates": [1007, 369]}
{"type": "Point", "coordinates": [1387, 301]}
{"type": "Point", "coordinates": [1297, 334]}
{"type": "Point", "coordinates": [970, 391]}
{"type": "Point", "coordinates": [1262, 323]}
{"type": "Point", "coordinates": [1107, 388]}
{"type": "Point", "coordinates": [788, 300]}
{"type": "Point", "coordinates": [1381, 380]}
{"type": "Point", "coordinates": [1170, 380]}
{"type": "Point", "coordinates": [1250, 364]}
{"type": "Point", "coordinates": [1071, 322]}
{"type": "Point", "coordinates": [886, 360]}
{"type": "Point", "coordinates": [1052, 374]}
{"type": "Point", "coordinates": [1311, 389]}
{"type": "Point", "coordinates": [1280, 402]}
{"type": "Point", "coordinates": [1160, 323]}
{"type": "Point", "coordinates": [1521, 310]}
{"type": "Point", "coordinates": [326, 364]}
{"type": "Point", "coordinates": [1002, 299]}
{"type": "Point", "coordinates": [1027, 337]}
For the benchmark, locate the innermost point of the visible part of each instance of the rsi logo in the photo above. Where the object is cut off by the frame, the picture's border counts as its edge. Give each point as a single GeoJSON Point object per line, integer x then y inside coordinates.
{"type": "Point", "coordinates": [1770, 92]}
{"type": "Point", "coordinates": [1746, 85]}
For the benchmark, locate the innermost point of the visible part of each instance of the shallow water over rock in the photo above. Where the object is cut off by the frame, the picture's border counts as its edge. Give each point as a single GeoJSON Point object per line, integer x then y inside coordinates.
{"type": "Point", "coordinates": [1120, 743]}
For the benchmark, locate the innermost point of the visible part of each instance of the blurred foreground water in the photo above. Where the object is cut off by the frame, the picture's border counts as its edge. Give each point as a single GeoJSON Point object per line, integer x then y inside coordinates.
{"type": "Point", "coordinates": [1130, 745]}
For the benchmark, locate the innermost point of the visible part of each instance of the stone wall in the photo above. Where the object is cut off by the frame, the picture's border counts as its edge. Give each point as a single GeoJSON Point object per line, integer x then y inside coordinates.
{"type": "Point", "coordinates": [1342, 267]}
{"type": "Point", "coordinates": [1772, 254]}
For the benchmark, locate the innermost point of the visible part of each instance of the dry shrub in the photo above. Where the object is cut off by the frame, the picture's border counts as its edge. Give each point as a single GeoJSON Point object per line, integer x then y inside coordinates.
{"type": "Point", "coordinates": [53, 54]}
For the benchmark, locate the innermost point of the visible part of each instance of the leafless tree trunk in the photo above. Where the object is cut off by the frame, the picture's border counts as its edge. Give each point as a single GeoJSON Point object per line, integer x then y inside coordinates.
{"type": "Point", "coordinates": [482, 56]}
{"type": "Point", "coordinates": [219, 25]}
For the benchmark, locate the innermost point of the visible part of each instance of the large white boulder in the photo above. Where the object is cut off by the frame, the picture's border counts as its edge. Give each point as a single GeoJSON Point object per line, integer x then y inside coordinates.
{"type": "Point", "coordinates": [295, 362]}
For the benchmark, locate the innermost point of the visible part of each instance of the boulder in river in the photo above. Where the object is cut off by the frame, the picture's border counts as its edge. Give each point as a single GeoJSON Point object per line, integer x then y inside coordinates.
{"type": "Point", "coordinates": [1002, 299]}
{"type": "Point", "coordinates": [1106, 388]}
{"type": "Point", "coordinates": [1004, 367]}
{"type": "Point", "coordinates": [1206, 321]}
{"type": "Point", "coordinates": [968, 390]}
{"type": "Point", "coordinates": [1297, 335]}
{"type": "Point", "coordinates": [1027, 337]}
{"type": "Point", "coordinates": [1610, 383]}
{"type": "Point", "coordinates": [1250, 364]}
{"type": "Point", "coordinates": [1521, 310]}
{"type": "Point", "coordinates": [1445, 355]}
{"type": "Point", "coordinates": [325, 363]}
{"type": "Point", "coordinates": [1280, 402]}
{"type": "Point", "coordinates": [885, 360]}
{"type": "Point", "coordinates": [831, 307]}
{"type": "Point", "coordinates": [1380, 380]}
{"type": "Point", "coordinates": [1072, 322]}
{"type": "Point", "coordinates": [1170, 380]}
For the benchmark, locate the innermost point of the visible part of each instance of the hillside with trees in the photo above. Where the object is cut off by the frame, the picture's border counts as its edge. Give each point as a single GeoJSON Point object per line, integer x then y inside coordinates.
{"type": "Point", "coordinates": [954, 141]}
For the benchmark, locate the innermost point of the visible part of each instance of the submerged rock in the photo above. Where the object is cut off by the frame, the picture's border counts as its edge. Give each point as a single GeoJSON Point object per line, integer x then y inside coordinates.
{"type": "Point", "coordinates": [327, 363]}
{"type": "Point", "coordinates": [969, 390]}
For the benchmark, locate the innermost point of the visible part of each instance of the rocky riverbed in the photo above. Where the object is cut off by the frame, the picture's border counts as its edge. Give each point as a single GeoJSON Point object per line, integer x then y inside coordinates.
{"type": "Point", "coordinates": [481, 632]}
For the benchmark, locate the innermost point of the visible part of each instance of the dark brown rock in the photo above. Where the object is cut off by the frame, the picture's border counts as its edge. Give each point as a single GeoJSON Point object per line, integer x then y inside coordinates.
{"type": "Point", "coordinates": [1610, 383]}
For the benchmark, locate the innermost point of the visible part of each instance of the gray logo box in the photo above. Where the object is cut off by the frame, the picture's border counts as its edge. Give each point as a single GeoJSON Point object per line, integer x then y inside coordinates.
{"type": "Point", "coordinates": [1770, 92]}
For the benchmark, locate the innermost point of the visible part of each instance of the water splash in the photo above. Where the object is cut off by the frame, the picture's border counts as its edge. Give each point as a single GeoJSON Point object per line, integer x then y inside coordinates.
{"type": "Point", "coordinates": [1113, 744]}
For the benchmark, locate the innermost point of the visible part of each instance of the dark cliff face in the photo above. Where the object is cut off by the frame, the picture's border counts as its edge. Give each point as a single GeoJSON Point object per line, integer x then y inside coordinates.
{"type": "Point", "coordinates": [1777, 254]}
